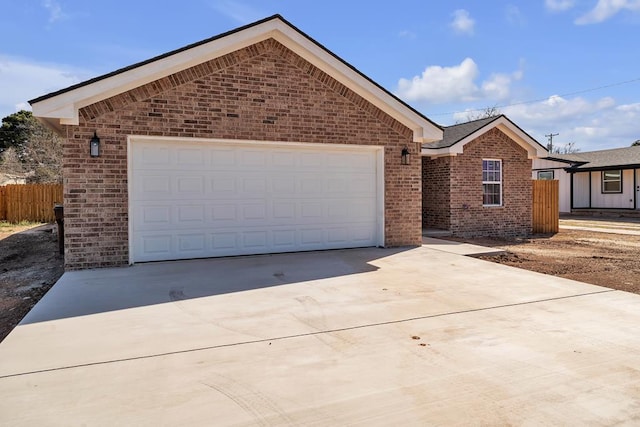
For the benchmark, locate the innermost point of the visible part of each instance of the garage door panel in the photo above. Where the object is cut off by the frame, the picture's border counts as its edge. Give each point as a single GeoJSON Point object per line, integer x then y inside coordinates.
{"type": "Point", "coordinates": [223, 158]}
{"type": "Point", "coordinates": [224, 241]}
{"type": "Point", "coordinates": [190, 245]}
{"type": "Point", "coordinates": [193, 200]}
{"type": "Point", "coordinates": [224, 212]}
{"type": "Point", "coordinates": [254, 185]}
{"type": "Point", "coordinates": [255, 240]}
{"type": "Point", "coordinates": [284, 210]}
{"type": "Point", "coordinates": [223, 185]}
{"type": "Point", "coordinates": [152, 186]}
{"type": "Point", "coordinates": [254, 212]}
{"type": "Point", "coordinates": [284, 239]}
{"type": "Point", "coordinates": [283, 159]}
{"type": "Point", "coordinates": [190, 214]}
{"type": "Point", "coordinates": [253, 158]}
{"type": "Point", "coordinates": [156, 244]}
{"type": "Point", "coordinates": [152, 158]}
{"type": "Point", "coordinates": [194, 185]}
{"type": "Point", "coordinates": [283, 185]}
{"type": "Point", "coordinates": [311, 237]}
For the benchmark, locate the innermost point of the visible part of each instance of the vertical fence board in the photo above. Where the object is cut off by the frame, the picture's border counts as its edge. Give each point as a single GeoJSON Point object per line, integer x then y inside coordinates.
{"type": "Point", "coordinates": [546, 206]}
{"type": "Point", "coordinates": [3, 203]}
{"type": "Point", "coordinates": [29, 202]}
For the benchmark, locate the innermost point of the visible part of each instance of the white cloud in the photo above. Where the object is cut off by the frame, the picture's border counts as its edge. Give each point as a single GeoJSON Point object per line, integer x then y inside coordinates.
{"type": "Point", "coordinates": [54, 9]}
{"type": "Point", "coordinates": [498, 86]}
{"type": "Point", "coordinates": [605, 9]}
{"type": "Point", "coordinates": [590, 124]}
{"type": "Point", "coordinates": [559, 5]}
{"type": "Point", "coordinates": [462, 22]}
{"type": "Point", "coordinates": [557, 109]}
{"type": "Point", "coordinates": [442, 84]}
{"type": "Point", "coordinates": [23, 80]}
{"type": "Point", "coordinates": [438, 85]}
{"type": "Point", "coordinates": [237, 11]}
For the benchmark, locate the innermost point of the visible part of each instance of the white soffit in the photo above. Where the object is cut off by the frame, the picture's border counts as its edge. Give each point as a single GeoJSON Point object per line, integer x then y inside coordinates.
{"type": "Point", "coordinates": [62, 109]}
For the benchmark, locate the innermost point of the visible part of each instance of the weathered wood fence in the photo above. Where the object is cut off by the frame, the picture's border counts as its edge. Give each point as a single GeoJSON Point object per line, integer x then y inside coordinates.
{"type": "Point", "coordinates": [546, 206]}
{"type": "Point", "coordinates": [29, 202]}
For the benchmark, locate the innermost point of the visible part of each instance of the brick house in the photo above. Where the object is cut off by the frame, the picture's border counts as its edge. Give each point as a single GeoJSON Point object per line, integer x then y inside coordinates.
{"type": "Point", "coordinates": [255, 141]}
{"type": "Point", "coordinates": [258, 140]}
{"type": "Point", "coordinates": [477, 179]}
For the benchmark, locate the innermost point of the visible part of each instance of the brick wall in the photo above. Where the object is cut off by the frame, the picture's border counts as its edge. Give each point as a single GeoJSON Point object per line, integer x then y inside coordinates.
{"type": "Point", "coordinates": [468, 217]}
{"type": "Point", "coordinates": [262, 92]}
{"type": "Point", "coordinates": [436, 194]}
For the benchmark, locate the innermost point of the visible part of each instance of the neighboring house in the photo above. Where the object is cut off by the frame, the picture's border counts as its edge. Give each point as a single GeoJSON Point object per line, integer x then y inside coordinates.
{"type": "Point", "coordinates": [597, 180]}
{"type": "Point", "coordinates": [477, 179]}
{"type": "Point", "coordinates": [259, 140]}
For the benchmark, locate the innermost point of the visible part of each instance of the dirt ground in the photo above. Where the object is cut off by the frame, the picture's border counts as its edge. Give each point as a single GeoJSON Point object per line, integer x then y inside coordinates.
{"type": "Point", "coordinates": [29, 265]}
{"type": "Point", "coordinates": [606, 257]}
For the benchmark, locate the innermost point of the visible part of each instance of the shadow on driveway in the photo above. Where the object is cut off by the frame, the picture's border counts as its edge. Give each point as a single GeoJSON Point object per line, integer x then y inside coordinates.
{"type": "Point", "coordinates": [85, 292]}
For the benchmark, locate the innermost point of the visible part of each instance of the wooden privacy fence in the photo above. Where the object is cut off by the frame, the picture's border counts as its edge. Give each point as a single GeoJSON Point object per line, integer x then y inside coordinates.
{"type": "Point", "coordinates": [546, 206]}
{"type": "Point", "coordinates": [29, 202]}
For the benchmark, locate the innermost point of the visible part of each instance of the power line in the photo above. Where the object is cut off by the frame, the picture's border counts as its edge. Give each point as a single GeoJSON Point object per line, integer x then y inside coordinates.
{"type": "Point", "coordinates": [533, 101]}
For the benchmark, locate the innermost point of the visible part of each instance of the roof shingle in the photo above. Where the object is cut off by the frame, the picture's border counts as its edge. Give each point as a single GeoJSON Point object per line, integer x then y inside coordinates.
{"type": "Point", "coordinates": [456, 133]}
{"type": "Point", "coordinates": [617, 157]}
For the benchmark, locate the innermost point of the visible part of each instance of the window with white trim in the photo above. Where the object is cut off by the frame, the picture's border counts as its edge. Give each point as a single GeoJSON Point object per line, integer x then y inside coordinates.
{"type": "Point", "coordinates": [491, 182]}
{"type": "Point", "coordinates": [545, 175]}
{"type": "Point", "coordinates": [612, 181]}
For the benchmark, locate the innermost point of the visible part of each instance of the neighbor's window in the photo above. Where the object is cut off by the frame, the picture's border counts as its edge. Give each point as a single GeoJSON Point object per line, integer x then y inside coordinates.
{"type": "Point", "coordinates": [545, 175]}
{"type": "Point", "coordinates": [491, 182]}
{"type": "Point", "coordinates": [612, 181]}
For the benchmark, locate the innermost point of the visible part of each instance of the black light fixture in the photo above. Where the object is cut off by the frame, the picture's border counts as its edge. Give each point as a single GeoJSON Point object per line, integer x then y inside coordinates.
{"type": "Point", "coordinates": [94, 145]}
{"type": "Point", "coordinates": [405, 156]}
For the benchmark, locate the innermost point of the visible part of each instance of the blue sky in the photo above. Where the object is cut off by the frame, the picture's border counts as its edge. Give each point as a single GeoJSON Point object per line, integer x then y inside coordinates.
{"type": "Point", "coordinates": [570, 67]}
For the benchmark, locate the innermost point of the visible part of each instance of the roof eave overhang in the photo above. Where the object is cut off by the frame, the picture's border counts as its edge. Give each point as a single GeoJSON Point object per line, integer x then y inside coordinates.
{"type": "Point", "coordinates": [63, 108]}
{"type": "Point", "coordinates": [603, 168]}
{"type": "Point", "coordinates": [534, 148]}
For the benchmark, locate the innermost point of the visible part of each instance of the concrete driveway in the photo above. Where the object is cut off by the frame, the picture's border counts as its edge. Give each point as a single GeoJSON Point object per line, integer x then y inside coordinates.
{"type": "Point", "coordinates": [382, 337]}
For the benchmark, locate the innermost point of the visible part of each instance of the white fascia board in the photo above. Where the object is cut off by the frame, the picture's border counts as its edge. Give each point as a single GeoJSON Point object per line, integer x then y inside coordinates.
{"type": "Point", "coordinates": [534, 150]}
{"type": "Point", "coordinates": [65, 106]}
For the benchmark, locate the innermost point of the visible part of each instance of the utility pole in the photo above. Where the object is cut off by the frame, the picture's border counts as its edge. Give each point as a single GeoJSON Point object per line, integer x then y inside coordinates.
{"type": "Point", "coordinates": [550, 144]}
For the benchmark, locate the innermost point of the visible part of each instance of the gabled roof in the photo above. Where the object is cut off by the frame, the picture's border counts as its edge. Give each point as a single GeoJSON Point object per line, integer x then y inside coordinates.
{"type": "Point", "coordinates": [61, 107]}
{"type": "Point", "coordinates": [618, 158]}
{"type": "Point", "coordinates": [455, 137]}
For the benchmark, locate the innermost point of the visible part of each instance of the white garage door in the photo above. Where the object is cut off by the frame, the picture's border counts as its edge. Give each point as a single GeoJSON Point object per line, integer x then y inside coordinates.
{"type": "Point", "coordinates": [193, 199]}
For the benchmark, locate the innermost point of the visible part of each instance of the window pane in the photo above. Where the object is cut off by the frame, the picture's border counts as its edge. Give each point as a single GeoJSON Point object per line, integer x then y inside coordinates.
{"type": "Point", "coordinates": [545, 175]}
{"type": "Point", "coordinates": [612, 187]}
{"type": "Point", "coordinates": [611, 175]}
{"type": "Point", "coordinates": [491, 194]}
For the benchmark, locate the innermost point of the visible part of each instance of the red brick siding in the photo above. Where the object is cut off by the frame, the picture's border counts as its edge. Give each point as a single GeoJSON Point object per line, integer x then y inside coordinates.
{"type": "Point", "coordinates": [468, 217]}
{"type": "Point", "coordinates": [436, 194]}
{"type": "Point", "coordinates": [262, 92]}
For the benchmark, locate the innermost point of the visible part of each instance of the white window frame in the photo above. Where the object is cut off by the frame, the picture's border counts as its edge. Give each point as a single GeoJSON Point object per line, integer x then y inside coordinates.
{"type": "Point", "coordinates": [491, 182]}
{"type": "Point", "coordinates": [606, 181]}
{"type": "Point", "coordinates": [546, 172]}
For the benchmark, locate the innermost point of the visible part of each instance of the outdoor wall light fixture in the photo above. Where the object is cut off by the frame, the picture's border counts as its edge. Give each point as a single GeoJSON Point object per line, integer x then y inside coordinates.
{"type": "Point", "coordinates": [94, 146]}
{"type": "Point", "coordinates": [405, 156]}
